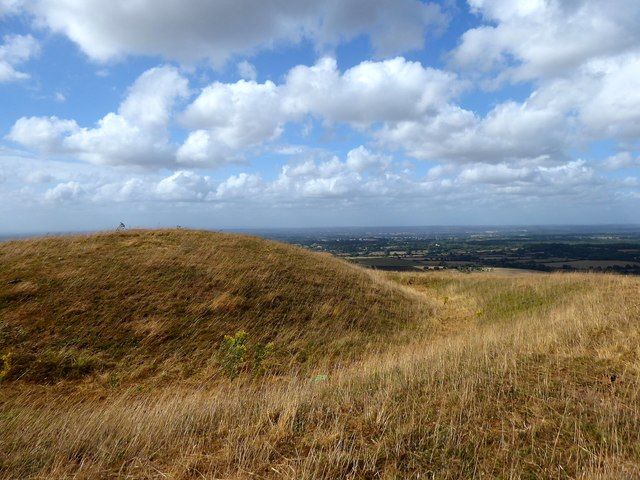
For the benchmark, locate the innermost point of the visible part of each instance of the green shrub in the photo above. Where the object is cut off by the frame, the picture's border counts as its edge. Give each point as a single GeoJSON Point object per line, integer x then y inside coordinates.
{"type": "Point", "coordinates": [236, 355]}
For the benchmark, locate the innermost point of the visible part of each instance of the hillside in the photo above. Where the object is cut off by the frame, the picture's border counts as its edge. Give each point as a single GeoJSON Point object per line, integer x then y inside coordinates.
{"type": "Point", "coordinates": [114, 365]}
{"type": "Point", "coordinates": [142, 304]}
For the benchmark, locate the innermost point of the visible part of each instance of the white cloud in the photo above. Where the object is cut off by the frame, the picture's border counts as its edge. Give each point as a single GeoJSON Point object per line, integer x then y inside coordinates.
{"type": "Point", "coordinates": [44, 134]}
{"type": "Point", "coordinates": [583, 54]}
{"type": "Point", "coordinates": [184, 185]}
{"type": "Point", "coordinates": [150, 100]}
{"type": "Point", "coordinates": [620, 161]}
{"type": "Point", "coordinates": [65, 192]}
{"type": "Point", "coordinates": [369, 92]}
{"type": "Point", "coordinates": [126, 191]}
{"type": "Point", "coordinates": [597, 101]}
{"type": "Point", "coordinates": [401, 104]}
{"type": "Point", "coordinates": [14, 50]}
{"type": "Point", "coordinates": [136, 135]}
{"type": "Point", "coordinates": [321, 183]}
{"type": "Point", "coordinates": [611, 104]}
{"type": "Point", "coordinates": [228, 118]}
{"type": "Point", "coordinates": [196, 29]}
{"type": "Point", "coordinates": [360, 159]}
{"type": "Point", "coordinates": [580, 60]}
{"type": "Point", "coordinates": [499, 174]}
{"type": "Point", "coordinates": [117, 141]}
{"type": "Point", "coordinates": [509, 131]}
{"type": "Point", "coordinates": [362, 174]}
{"type": "Point", "coordinates": [535, 38]}
{"type": "Point", "coordinates": [524, 177]}
{"type": "Point", "coordinates": [10, 6]}
{"type": "Point", "coordinates": [243, 185]}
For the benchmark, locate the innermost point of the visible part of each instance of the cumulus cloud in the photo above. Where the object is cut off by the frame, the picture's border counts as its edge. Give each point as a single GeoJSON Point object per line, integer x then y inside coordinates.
{"type": "Point", "coordinates": [230, 117]}
{"type": "Point", "coordinates": [523, 178]}
{"type": "Point", "coordinates": [360, 173]}
{"type": "Point", "coordinates": [242, 186]}
{"type": "Point", "coordinates": [330, 178]}
{"type": "Point", "coordinates": [584, 56]}
{"type": "Point", "coordinates": [360, 160]}
{"type": "Point", "coordinates": [334, 179]}
{"type": "Point", "coordinates": [413, 108]}
{"type": "Point", "coordinates": [610, 105]}
{"type": "Point", "coordinates": [369, 92]}
{"type": "Point", "coordinates": [597, 101]}
{"type": "Point", "coordinates": [547, 37]}
{"type": "Point", "coordinates": [135, 135]}
{"type": "Point", "coordinates": [44, 134]}
{"type": "Point", "coordinates": [196, 29]}
{"type": "Point", "coordinates": [184, 185]}
{"type": "Point", "coordinates": [227, 118]}
{"type": "Point", "coordinates": [580, 61]}
{"type": "Point", "coordinates": [14, 50]}
{"type": "Point", "coordinates": [65, 192]}
{"type": "Point", "coordinates": [402, 104]}
{"type": "Point", "coordinates": [509, 131]}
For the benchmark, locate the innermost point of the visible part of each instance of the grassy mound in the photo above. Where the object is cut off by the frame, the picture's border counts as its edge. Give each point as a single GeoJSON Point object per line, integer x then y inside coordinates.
{"type": "Point", "coordinates": [421, 375]}
{"type": "Point", "coordinates": [144, 304]}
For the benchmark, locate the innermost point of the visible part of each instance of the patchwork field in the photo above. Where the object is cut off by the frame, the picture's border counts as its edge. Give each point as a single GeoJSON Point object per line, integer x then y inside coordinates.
{"type": "Point", "coordinates": [183, 354]}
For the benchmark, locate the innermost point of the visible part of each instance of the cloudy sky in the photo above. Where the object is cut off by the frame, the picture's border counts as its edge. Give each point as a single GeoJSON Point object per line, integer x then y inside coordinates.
{"type": "Point", "coordinates": [279, 113]}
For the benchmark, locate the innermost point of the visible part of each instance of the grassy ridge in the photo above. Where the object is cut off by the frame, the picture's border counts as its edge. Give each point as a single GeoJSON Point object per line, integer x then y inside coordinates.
{"type": "Point", "coordinates": [446, 376]}
{"type": "Point", "coordinates": [140, 305]}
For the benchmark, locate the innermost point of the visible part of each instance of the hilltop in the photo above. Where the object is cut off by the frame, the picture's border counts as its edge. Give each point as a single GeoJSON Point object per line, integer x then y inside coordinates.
{"type": "Point", "coordinates": [115, 364]}
{"type": "Point", "coordinates": [142, 304]}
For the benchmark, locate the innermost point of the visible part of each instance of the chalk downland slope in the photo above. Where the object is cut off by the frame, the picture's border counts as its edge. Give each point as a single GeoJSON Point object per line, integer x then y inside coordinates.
{"type": "Point", "coordinates": [113, 366]}
{"type": "Point", "coordinates": [143, 304]}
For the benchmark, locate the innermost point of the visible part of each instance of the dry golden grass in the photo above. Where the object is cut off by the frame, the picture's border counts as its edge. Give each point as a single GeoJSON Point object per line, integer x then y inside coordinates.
{"type": "Point", "coordinates": [143, 306]}
{"type": "Point", "coordinates": [434, 375]}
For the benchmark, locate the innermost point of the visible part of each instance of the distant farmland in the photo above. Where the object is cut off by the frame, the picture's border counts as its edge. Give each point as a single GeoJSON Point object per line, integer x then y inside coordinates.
{"type": "Point", "coordinates": [528, 249]}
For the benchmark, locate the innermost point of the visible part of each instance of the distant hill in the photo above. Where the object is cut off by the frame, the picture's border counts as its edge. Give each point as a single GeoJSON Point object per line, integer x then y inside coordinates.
{"type": "Point", "coordinates": [186, 354]}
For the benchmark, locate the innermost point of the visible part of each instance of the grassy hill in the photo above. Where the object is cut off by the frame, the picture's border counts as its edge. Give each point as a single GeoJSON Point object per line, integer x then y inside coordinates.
{"type": "Point", "coordinates": [139, 305]}
{"type": "Point", "coordinates": [115, 364]}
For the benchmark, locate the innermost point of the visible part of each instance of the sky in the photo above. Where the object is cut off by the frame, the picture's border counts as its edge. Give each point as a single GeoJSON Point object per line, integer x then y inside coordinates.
{"type": "Point", "coordinates": [299, 113]}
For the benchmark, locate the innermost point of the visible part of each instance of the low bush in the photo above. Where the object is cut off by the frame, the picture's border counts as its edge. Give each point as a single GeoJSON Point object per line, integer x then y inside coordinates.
{"type": "Point", "coordinates": [237, 356]}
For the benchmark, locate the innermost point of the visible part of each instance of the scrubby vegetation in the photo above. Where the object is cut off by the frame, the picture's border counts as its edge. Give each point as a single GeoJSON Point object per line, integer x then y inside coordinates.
{"type": "Point", "coordinates": [178, 354]}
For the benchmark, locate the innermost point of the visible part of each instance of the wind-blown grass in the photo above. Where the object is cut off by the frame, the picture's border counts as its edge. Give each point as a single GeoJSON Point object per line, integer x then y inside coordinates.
{"type": "Point", "coordinates": [460, 376]}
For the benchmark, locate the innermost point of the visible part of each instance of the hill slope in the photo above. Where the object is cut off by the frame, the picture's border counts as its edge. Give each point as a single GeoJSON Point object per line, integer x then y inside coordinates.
{"type": "Point", "coordinates": [145, 303]}
{"type": "Point", "coordinates": [421, 375]}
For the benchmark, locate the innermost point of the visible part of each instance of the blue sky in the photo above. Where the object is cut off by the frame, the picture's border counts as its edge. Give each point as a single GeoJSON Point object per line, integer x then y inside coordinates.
{"type": "Point", "coordinates": [268, 113]}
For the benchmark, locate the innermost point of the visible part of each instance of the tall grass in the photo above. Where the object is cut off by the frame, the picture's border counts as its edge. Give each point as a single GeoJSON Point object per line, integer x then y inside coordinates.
{"type": "Point", "coordinates": [527, 377]}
